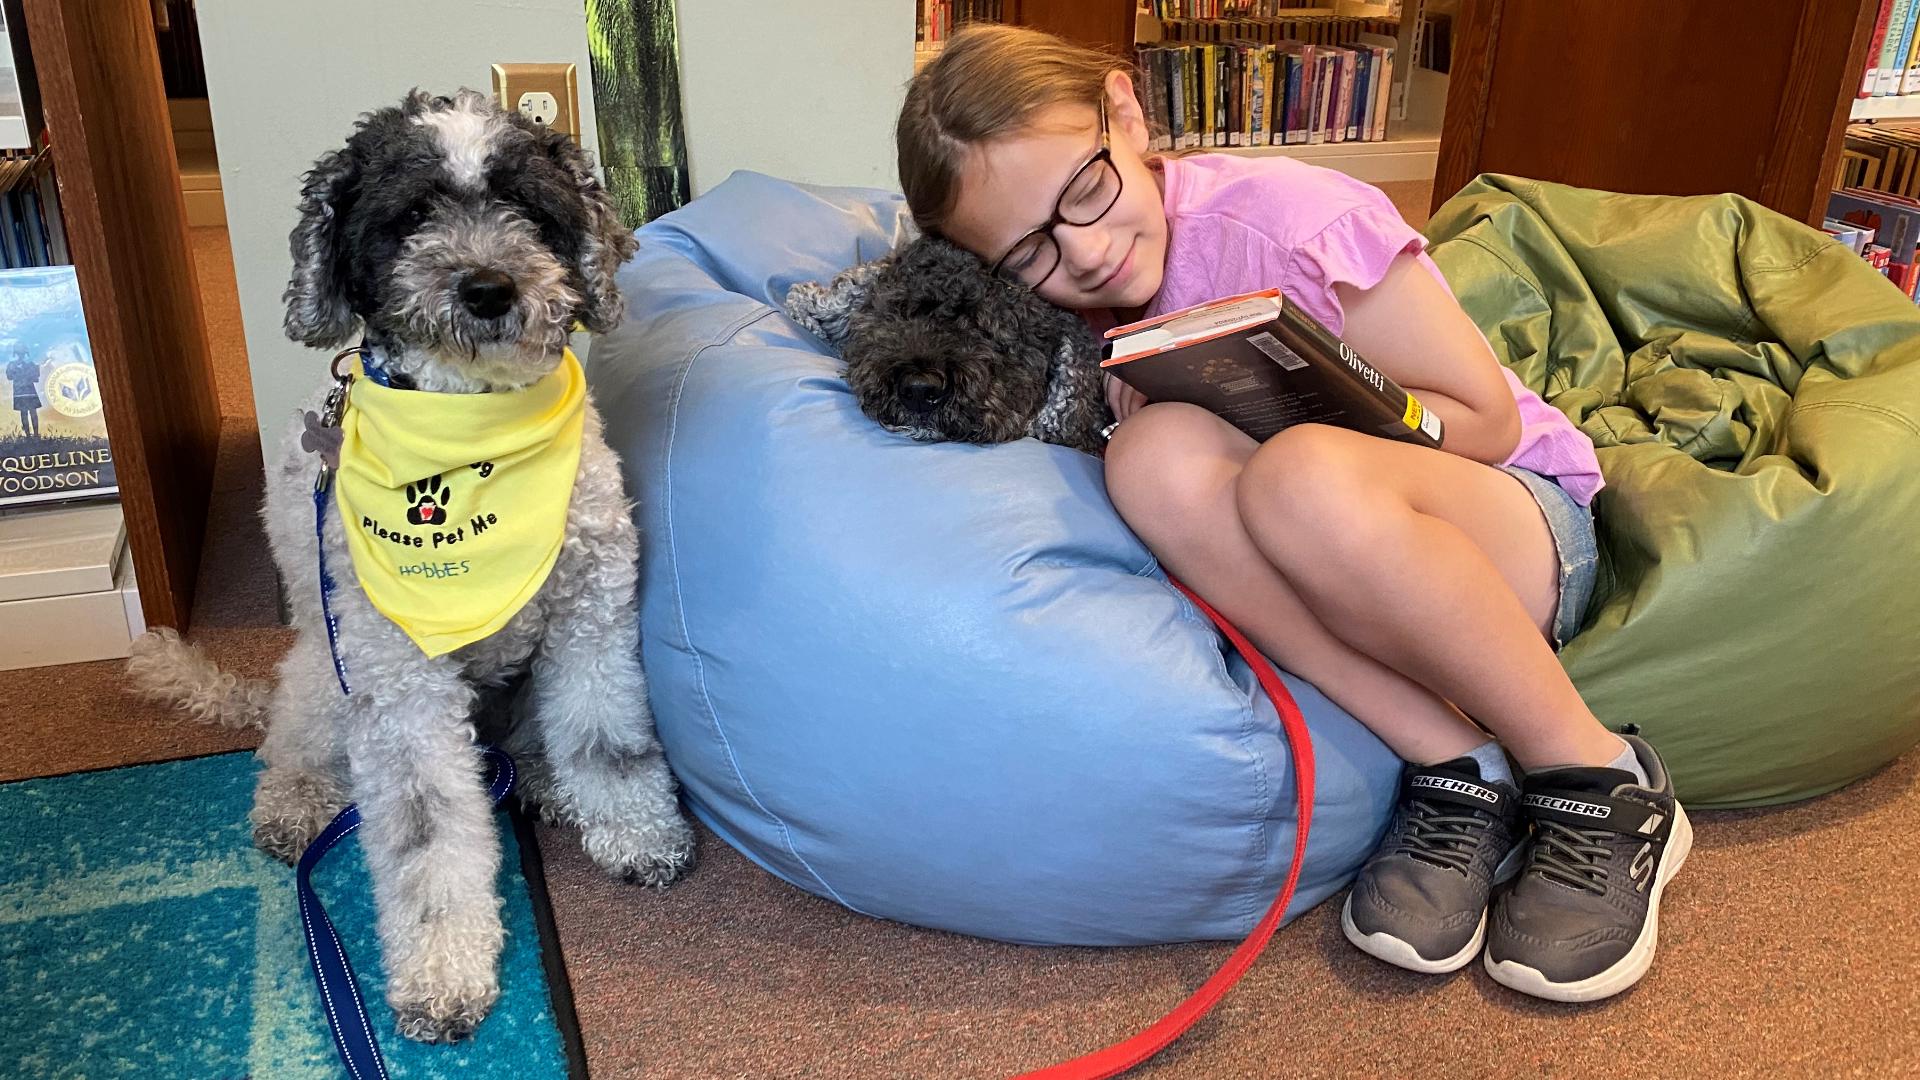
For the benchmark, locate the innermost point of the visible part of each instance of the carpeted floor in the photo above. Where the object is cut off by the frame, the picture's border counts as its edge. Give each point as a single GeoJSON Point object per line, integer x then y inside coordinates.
{"type": "Point", "coordinates": [1789, 949]}
{"type": "Point", "coordinates": [141, 935]}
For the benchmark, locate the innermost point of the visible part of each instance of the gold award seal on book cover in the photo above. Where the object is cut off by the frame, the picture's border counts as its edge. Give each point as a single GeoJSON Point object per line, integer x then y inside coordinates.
{"type": "Point", "coordinates": [73, 391]}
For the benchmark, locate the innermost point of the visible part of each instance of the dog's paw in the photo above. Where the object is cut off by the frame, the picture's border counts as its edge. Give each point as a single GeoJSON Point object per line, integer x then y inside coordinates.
{"type": "Point", "coordinates": [444, 1017]}
{"type": "Point", "coordinates": [443, 977]}
{"type": "Point", "coordinates": [539, 793]}
{"type": "Point", "coordinates": [655, 856]}
{"type": "Point", "coordinates": [290, 809]}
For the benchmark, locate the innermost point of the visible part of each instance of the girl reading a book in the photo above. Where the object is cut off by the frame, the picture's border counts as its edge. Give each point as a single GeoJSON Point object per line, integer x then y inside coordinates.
{"type": "Point", "coordinates": [1424, 590]}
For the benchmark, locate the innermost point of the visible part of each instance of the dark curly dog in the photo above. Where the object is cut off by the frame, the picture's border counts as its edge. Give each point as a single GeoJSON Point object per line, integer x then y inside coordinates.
{"type": "Point", "coordinates": [939, 349]}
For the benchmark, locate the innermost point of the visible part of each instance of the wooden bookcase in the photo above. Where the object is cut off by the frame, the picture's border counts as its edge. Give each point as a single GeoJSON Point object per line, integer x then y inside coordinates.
{"type": "Point", "coordinates": [106, 114]}
{"type": "Point", "coordinates": [1644, 96]}
{"type": "Point", "coordinates": [1106, 24]}
{"type": "Point", "coordinates": [1657, 97]}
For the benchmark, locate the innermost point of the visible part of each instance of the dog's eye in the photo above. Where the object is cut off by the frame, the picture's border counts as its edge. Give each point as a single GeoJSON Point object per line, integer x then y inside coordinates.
{"type": "Point", "coordinates": [417, 214]}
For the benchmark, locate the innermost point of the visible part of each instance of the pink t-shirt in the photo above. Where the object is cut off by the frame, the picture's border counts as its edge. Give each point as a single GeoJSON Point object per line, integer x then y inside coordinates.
{"type": "Point", "coordinates": [1239, 224]}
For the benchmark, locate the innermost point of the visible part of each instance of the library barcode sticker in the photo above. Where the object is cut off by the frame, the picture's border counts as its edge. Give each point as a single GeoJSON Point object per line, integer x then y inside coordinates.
{"type": "Point", "coordinates": [1276, 351]}
{"type": "Point", "coordinates": [1421, 419]}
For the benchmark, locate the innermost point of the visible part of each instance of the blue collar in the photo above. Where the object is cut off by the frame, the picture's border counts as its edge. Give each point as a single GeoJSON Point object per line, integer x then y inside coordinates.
{"type": "Point", "coordinates": [372, 367]}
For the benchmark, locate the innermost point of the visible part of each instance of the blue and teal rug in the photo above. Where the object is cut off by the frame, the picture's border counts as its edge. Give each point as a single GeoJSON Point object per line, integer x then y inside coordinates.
{"type": "Point", "coordinates": [142, 935]}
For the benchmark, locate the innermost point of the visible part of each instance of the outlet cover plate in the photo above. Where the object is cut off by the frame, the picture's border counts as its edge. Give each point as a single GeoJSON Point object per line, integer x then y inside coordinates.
{"type": "Point", "coordinates": [535, 90]}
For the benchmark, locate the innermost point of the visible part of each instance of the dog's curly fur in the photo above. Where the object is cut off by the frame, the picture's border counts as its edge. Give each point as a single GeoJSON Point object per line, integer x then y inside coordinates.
{"type": "Point", "coordinates": [1006, 363]}
{"type": "Point", "coordinates": [422, 198]}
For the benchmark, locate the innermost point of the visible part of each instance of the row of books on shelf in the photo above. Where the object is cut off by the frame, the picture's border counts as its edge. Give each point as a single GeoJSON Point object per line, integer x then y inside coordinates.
{"type": "Point", "coordinates": [1313, 31]}
{"type": "Point", "coordinates": [31, 230]}
{"type": "Point", "coordinates": [1882, 157]}
{"type": "Point", "coordinates": [1893, 54]}
{"type": "Point", "coordinates": [1286, 94]}
{"type": "Point", "coordinates": [936, 20]}
{"type": "Point", "coordinates": [1265, 9]}
{"type": "Point", "coordinates": [1882, 229]}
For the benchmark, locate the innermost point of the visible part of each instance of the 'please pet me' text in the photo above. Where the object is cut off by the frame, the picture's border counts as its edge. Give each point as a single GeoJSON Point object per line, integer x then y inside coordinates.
{"type": "Point", "coordinates": [479, 523]}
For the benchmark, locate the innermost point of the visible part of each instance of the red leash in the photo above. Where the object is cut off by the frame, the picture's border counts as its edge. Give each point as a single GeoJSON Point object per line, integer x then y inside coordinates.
{"type": "Point", "coordinates": [1123, 1056]}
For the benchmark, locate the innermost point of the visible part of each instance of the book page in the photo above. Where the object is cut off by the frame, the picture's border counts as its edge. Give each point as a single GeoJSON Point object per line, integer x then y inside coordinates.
{"type": "Point", "coordinates": [1201, 324]}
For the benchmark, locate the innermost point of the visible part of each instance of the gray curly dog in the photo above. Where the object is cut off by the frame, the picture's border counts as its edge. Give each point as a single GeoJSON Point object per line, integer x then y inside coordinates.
{"type": "Point", "coordinates": [463, 242]}
{"type": "Point", "coordinates": [939, 349]}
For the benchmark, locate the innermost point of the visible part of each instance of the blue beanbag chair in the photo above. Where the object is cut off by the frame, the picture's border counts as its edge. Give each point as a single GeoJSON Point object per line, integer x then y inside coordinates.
{"type": "Point", "coordinates": [941, 684]}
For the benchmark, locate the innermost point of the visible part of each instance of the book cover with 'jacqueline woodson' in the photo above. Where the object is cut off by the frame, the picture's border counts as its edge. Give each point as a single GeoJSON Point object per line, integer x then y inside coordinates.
{"type": "Point", "coordinates": [53, 434]}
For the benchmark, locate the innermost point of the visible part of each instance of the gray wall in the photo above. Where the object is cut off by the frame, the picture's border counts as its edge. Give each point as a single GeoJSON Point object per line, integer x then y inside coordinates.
{"type": "Point", "coordinates": [794, 88]}
{"type": "Point", "coordinates": [287, 79]}
{"type": "Point", "coordinates": [805, 90]}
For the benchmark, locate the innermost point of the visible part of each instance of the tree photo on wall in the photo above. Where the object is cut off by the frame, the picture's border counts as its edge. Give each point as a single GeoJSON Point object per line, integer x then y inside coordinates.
{"type": "Point", "coordinates": [635, 53]}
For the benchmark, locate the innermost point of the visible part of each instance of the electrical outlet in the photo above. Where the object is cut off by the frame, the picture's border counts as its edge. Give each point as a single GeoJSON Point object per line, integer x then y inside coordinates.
{"type": "Point", "coordinates": [539, 107]}
{"type": "Point", "coordinates": [546, 93]}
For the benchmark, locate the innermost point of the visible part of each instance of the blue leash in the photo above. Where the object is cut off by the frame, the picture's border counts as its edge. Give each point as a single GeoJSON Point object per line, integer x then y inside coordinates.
{"type": "Point", "coordinates": [330, 416]}
{"type": "Point", "coordinates": [352, 1032]}
{"type": "Point", "coordinates": [326, 586]}
{"type": "Point", "coordinates": [339, 992]}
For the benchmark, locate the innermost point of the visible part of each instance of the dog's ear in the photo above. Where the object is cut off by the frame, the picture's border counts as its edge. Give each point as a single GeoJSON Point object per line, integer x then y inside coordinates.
{"type": "Point", "coordinates": [825, 310]}
{"type": "Point", "coordinates": [318, 311]}
{"type": "Point", "coordinates": [608, 243]}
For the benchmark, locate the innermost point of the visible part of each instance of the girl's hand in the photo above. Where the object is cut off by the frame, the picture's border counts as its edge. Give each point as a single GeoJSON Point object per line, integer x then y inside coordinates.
{"type": "Point", "coordinates": [1124, 400]}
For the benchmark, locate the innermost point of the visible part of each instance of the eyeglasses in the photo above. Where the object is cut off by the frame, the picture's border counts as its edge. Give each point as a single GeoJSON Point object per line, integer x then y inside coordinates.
{"type": "Point", "coordinates": [1089, 194]}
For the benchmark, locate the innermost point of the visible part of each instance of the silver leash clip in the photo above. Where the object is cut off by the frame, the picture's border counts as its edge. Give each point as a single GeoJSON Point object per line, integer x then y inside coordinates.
{"type": "Point", "coordinates": [323, 435]}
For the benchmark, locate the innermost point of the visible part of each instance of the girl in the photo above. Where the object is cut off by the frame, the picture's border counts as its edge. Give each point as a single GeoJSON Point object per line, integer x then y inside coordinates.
{"type": "Point", "coordinates": [1426, 591]}
{"type": "Point", "coordinates": [23, 374]}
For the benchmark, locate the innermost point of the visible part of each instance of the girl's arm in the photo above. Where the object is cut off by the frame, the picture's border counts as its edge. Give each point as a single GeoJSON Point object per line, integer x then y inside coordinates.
{"type": "Point", "coordinates": [1410, 328]}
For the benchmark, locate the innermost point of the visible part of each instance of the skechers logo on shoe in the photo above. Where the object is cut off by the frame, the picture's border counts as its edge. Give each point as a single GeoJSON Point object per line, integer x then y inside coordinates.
{"type": "Point", "coordinates": [1570, 806]}
{"type": "Point", "coordinates": [1642, 869]}
{"type": "Point", "coordinates": [1446, 783]}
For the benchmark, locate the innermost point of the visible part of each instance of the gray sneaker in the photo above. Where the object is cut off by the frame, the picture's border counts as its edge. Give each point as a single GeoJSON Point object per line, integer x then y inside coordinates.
{"type": "Point", "coordinates": [1582, 921]}
{"type": "Point", "coordinates": [1421, 901]}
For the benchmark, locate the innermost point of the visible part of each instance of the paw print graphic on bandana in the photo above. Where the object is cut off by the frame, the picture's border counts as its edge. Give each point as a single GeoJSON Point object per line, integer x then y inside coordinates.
{"type": "Point", "coordinates": [427, 501]}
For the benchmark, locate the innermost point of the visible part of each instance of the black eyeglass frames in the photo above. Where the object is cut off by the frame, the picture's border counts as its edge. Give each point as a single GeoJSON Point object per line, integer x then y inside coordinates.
{"type": "Point", "coordinates": [1088, 195]}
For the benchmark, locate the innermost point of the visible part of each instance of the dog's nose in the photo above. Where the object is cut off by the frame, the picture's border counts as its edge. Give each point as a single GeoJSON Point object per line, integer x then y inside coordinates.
{"type": "Point", "coordinates": [487, 293]}
{"type": "Point", "coordinates": [923, 391]}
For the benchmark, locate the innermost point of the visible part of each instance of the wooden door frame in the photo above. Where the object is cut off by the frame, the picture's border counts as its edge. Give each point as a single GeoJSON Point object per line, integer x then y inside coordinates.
{"type": "Point", "coordinates": [106, 112]}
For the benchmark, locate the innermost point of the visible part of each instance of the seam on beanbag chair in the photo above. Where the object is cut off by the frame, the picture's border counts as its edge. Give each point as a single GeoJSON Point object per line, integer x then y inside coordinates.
{"type": "Point", "coordinates": [725, 337]}
{"type": "Point", "coordinates": [1881, 411]}
{"type": "Point", "coordinates": [1253, 906]}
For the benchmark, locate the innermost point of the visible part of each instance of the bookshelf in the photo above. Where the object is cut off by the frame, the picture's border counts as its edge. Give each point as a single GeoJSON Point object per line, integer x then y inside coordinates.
{"type": "Point", "coordinates": [1886, 108]}
{"type": "Point", "coordinates": [1415, 118]}
{"type": "Point", "coordinates": [1411, 150]}
{"type": "Point", "coordinates": [98, 70]}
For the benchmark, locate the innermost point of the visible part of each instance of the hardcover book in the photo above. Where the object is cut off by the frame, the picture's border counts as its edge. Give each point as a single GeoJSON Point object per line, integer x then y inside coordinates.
{"type": "Point", "coordinates": [53, 436]}
{"type": "Point", "coordinates": [1263, 365]}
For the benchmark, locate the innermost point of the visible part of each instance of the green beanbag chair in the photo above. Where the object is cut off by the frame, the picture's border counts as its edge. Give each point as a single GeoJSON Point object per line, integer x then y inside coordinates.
{"type": "Point", "coordinates": [1754, 391]}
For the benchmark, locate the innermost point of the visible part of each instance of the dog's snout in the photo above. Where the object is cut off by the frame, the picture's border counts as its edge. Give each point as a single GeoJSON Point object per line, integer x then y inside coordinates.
{"type": "Point", "coordinates": [488, 294]}
{"type": "Point", "coordinates": [923, 391]}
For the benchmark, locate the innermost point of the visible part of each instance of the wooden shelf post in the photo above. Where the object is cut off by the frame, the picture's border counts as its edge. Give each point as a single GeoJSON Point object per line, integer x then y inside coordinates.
{"type": "Point", "coordinates": [106, 112]}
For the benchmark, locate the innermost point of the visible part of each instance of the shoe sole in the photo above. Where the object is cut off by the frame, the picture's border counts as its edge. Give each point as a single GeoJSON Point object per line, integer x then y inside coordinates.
{"type": "Point", "coordinates": [1625, 971]}
{"type": "Point", "coordinates": [1384, 946]}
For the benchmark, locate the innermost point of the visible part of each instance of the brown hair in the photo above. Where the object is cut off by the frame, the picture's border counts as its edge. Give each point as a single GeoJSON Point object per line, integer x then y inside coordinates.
{"type": "Point", "coordinates": [987, 83]}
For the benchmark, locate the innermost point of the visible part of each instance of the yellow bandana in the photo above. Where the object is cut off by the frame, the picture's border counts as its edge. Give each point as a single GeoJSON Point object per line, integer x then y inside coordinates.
{"type": "Point", "coordinates": [455, 505]}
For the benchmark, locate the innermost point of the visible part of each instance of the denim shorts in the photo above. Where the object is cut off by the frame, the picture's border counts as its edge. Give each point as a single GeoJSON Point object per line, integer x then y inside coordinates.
{"type": "Point", "coordinates": [1575, 541]}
